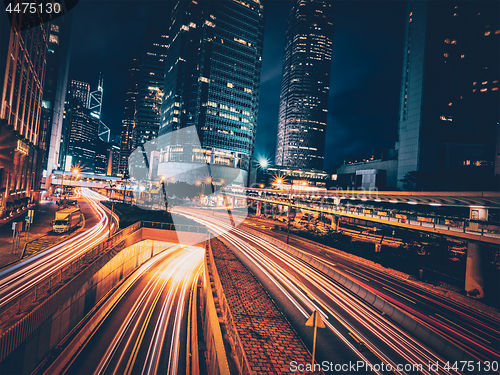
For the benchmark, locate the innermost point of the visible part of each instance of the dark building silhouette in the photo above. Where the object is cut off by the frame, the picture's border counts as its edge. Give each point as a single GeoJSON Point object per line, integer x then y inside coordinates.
{"type": "Point", "coordinates": [212, 84]}
{"type": "Point", "coordinates": [305, 84]}
{"type": "Point", "coordinates": [449, 115]}
{"type": "Point", "coordinates": [129, 115]}
{"type": "Point", "coordinates": [20, 113]}
{"type": "Point", "coordinates": [54, 91]}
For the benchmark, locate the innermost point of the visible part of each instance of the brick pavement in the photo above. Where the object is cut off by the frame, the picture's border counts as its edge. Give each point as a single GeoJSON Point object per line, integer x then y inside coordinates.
{"type": "Point", "coordinates": [269, 341]}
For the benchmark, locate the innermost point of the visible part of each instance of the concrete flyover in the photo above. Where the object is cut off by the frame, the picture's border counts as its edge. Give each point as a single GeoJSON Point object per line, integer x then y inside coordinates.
{"type": "Point", "coordinates": [471, 230]}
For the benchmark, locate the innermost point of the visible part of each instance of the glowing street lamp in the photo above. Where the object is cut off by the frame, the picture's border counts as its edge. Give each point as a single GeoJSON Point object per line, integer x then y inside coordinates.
{"type": "Point", "coordinates": [263, 163]}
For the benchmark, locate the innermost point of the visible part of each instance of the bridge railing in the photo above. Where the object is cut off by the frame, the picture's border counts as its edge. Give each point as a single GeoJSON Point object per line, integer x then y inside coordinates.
{"type": "Point", "coordinates": [437, 222]}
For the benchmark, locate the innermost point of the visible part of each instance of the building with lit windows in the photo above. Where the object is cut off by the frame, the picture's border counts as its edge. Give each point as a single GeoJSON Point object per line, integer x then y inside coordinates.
{"type": "Point", "coordinates": [448, 120]}
{"type": "Point", "coordinates": [20, 112]}
{"type": "Point", "coordinates": [54, 91]}
{"type": "Point", "coordinates": [82, 130]}
{"type": "Point", "coordinates": [212, 85]}
{"type": "Point", "coordinates": [129, 115]}
{"type": "Point", "coordinates": [305, 85]}
{"type": "Point", "coordinates": [150, 86]}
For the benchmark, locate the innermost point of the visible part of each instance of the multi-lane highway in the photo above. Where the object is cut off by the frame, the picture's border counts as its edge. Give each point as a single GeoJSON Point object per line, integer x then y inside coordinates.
{"type": "Point", "coordinates": [146, 331]}
{"type": "Point", "coordinates": [298, 287]}
{"type": "Point", "coordinates": [22, 276]}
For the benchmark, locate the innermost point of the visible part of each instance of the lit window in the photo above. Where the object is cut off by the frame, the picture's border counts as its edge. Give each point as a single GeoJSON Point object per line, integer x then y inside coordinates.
{"type": "Point", "coordinates": [474, 90]}
{"type": "Point", "coordinates": [450, 104]}
{"type": "Point", "coordinates": [484, 90]}
{"type": "Point", "coordinates": [486, 33]}
{"type": "Point", "coordinates": [53, 39]}
{"type": "Point", "coordinates": [229, 84]}
{"type": "Point", "coordinates": [453, 42]}
{"type": "Point", "coordinates": [203, 79]}
{"type": "Point", "coordinates": [496, 81]}
{"type": "Point", "coordinates": [497, 32]}
{"type": "Point", "coordinates": [445, 55]}
{"type": "Point", "coordinates": [247, 90]}
{"type": "Point", "coordinates": [462, 56]}
{"type": "Point", "coordinates": [447, 41]}
{"type": "Point", "coordinates": [484, 82]}
{"type": "Point", "coordinates": [494, 89]}
{"type": "Point", "coordinates": [474, 83]}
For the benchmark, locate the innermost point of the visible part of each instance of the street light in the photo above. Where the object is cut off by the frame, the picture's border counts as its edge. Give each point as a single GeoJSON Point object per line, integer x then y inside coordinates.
{"type": "Point", "coordinates": [112, 209]}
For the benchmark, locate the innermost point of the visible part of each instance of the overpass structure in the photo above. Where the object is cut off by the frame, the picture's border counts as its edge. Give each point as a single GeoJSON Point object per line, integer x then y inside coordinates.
{"type": "Point", "coordinates": [355, 204]}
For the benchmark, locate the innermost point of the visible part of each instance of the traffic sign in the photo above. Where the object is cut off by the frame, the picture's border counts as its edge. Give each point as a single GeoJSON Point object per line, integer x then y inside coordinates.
{"type": "Point", "coordinates": [315, 321]}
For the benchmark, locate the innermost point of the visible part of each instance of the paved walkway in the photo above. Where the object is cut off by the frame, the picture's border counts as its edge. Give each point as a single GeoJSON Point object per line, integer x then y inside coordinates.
{"type": "Point", "coordinates": [44, 214]}
{"type": "Point", "coordinates": [269, 341]}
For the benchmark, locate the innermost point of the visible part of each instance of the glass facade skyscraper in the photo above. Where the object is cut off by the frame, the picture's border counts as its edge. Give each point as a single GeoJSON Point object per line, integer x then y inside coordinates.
{"type": "Point", "coordinates": [212, 82]}
{"type": "Point", "coordinates": [449, 117]}
{"type": "Point", "coordinates": [150, 86]}
{"type": "Point", "coordinates": [129, 115]}
{"type": "Point", "coordinates": [305, 85]}
{"type": "Point", "coordinates": [83, 128]}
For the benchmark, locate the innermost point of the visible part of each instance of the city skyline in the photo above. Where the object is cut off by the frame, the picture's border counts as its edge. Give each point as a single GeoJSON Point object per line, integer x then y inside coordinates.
{"type": "Point", "coordinates": [353, 105]}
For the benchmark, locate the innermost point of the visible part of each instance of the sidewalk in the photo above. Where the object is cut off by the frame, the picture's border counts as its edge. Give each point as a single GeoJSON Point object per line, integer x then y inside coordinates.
{"type": "Point", "coordinates": [44, 214]}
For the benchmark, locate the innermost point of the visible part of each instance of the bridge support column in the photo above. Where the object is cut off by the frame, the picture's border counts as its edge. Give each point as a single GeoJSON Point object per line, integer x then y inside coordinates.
{"type": "Point", "coordinates": [258, 210]}
{"type": "Point", "coordinates": [474, 278]}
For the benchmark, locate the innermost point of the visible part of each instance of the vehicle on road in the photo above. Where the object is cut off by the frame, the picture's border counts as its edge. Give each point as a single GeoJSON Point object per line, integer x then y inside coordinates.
{"type": "Point", "coordinates": [66, 219]}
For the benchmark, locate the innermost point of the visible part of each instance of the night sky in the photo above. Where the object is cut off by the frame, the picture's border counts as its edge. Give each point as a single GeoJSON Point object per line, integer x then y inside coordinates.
{"type": "Point", "coordinates": [365, 75]}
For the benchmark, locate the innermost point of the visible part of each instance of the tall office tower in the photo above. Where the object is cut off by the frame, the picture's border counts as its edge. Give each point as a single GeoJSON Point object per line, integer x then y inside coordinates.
{"type": "Point", "coordinates": [305, 85]}
{"type": "Point", "coordinates": [54, 91]}
{"type": "Point", "coordinates": [150, 88]}
{"type": "Point", "coordinates": [20, 109]}
{"type": "Point", "coordinates": [83, 128]}
{"type": "Point", "coordinates": [212, 85]}
{"type": "Point", "coordinates": [126, 140]}
{"type": "Point", "coordinates": [449, 116]}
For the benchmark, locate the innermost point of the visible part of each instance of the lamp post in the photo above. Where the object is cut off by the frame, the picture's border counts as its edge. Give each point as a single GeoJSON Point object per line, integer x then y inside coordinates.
{"type": "Point", "coordinates": [112, 209]}
{"type": "Point", "coordinates": [289, 214]}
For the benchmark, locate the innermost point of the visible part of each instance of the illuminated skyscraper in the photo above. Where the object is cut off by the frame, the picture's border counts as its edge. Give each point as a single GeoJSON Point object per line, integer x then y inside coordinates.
{"type": "Point", "coordinates": [20, 112]}
{"type": "Point", "coordinates": [150, 86]}
{"type": "Point", "coordinates": [449, 117]}
{"type": "Point", "coordinates": [129, 115]}
{"type": "Point", "coordinates": [83, 128]}
{"type": "Point", "coordinates": [212, 84]}
{"type": "Point", "coordinates": [305, 85]}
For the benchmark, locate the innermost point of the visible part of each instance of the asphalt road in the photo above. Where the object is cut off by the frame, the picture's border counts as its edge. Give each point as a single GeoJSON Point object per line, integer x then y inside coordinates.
{"type": "Point", "coordinates": [146, 332]}
{"type": "Point", "coordinates": [351, 319]}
